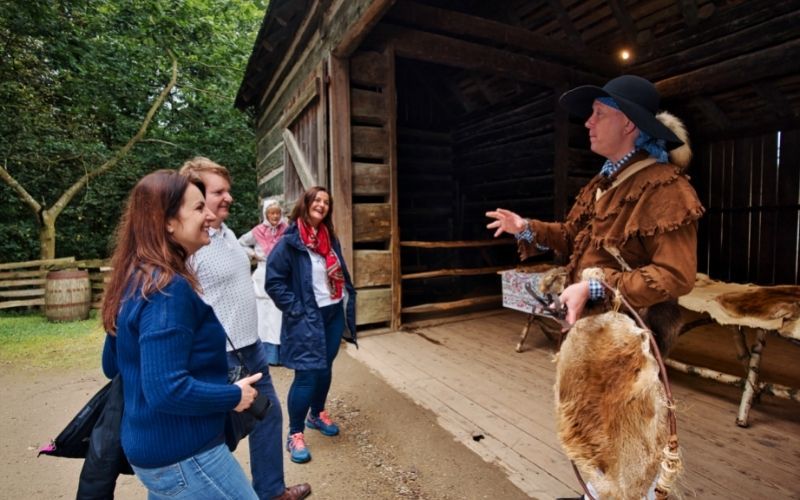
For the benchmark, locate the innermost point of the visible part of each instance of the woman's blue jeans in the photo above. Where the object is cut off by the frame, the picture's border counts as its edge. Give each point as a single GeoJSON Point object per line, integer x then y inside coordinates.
{"type": "Point", "coordinates": [310, 387]}
{"type": "Point", "coordinates": [211, 475]}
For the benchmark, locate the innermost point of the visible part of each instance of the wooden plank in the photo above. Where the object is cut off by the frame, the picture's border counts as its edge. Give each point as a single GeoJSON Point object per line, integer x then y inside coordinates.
{"type": "Point", "coordinates": [358, 27]}
{"type": "Point", "coordinates": [372, 222]}
{"type": "Point", "coordinates": [11, 275]}
{"type": "Point", "coordinates": [370, 143]}
{"type": "Point", "coordinates": [341, 155]}
{"type": "Point", "coordinates": [458, 244]}
{"type": "Point", "coordinates": [368, 68]}
{"type": "Point", "coordinates": [561, 159]}
{"type": "Point", "coordinates": [475, 271]}
{"type": "Point", "coordinates": [390, 92]}
{"type": "Point", "coordinates": [439, 49]}
{"type": "Point", "coordinates": [455, 304]}
{"type": "Point", "coordinates": [733, 72]}
{"type": "Point", "coordinates": [301, 165]}
{"type": "Point", "coordinates": [22, 282]}
{"type": "Point", "coordinates": [35, 292]}
{"type": "Point", "coordinates": [740, 216]}
{"type": "Point", "coordinates": [786, 252]}
{"type": "Point", "coordinates": [370, 179]}
{"type": "Point", "coordinates": [457, 23]}
{"type": "Point", "coordinates": [769, 217]}
{"type": "Point", "coordinates": [368, 106]}
{"type": "Point", "coordinates": [37, 263]}
{"type": "Point", "coordinates": [21, 303]}
{"type": "Point", "coordinates": [372, 268]}
{"type": "Point", "coordinates": [322, 127]}
{"type": "Point", "coordinates": [373, 305]}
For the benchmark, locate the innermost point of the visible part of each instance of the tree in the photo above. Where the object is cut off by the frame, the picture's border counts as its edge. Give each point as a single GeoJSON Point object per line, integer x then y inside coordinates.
{"type": "Point", "coordinates": [79, 77]}
{"type": "Point", "coordinates": [46, 218]}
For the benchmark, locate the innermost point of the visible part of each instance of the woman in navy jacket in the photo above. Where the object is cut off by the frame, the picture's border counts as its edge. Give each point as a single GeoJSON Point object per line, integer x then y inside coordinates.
{"type": "Point", "coordinates": [308, 280]}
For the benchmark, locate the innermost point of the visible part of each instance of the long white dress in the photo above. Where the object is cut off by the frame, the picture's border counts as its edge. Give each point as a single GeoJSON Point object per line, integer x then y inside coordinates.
{"type": "Point", "coordinates": [269, 316]}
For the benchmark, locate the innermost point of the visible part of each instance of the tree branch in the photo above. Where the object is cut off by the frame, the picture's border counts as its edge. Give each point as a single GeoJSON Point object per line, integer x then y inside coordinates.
{"type": "Point", "coordinates": [70, 193]}
{"type": "Point", "coordinates": [21, 192]}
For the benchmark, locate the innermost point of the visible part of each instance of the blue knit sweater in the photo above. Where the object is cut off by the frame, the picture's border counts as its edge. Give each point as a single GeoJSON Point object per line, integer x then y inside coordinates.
{"type": "Point", "coordinates": [170, 350]}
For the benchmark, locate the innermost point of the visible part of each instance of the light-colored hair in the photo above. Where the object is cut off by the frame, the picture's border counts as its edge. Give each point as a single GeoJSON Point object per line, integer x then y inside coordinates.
{"type": "Point", "coordinates": [200, 164]}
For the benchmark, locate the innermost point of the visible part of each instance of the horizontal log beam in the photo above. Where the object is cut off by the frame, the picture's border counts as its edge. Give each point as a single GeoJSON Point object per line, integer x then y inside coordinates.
{"type": "Point", "coordinates": [456, 23]}
{"type": "Point", "coordinates": [779, 60]}
{"type": "Point", "coordinates": [456, 304]}
{"type": "Point", "coordinates": [457, 244]}
{"type": "Point", "coordinates": [476, 271]}
{"type": "Point", "coordinates": [448, 51]}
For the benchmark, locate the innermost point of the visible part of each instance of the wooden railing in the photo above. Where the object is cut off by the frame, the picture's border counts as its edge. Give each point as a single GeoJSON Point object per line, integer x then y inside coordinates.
{"type": "Point", "coordinates": [22, 284]}
{"type": "Point", "coordinates": [456, 304]}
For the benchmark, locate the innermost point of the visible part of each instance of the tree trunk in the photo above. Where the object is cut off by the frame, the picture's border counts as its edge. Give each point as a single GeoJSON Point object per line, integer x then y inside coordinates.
{"type": "Point", "coordinates": [47, 237]}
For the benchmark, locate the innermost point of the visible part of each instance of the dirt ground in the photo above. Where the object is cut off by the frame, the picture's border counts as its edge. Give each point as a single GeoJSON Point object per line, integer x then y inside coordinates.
{"type": "Point", "coordinates": [389, 447]}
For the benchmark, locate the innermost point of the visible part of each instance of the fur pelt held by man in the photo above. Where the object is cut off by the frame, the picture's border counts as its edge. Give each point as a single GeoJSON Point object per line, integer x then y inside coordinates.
{"type": "Point", "coordinates": [611, 408]}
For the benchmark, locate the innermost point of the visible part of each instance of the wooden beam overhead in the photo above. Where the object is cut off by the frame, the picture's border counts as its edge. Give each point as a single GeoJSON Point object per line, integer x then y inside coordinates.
{"type": "Point", "coordinates": [439, 49]}
{"type": "Point", "coordinates": [776, 100]}
{"type": "Point", "coordinates": [456, 23]}
{"type": "Point", "coordinates": [358, 30]}
{"type": "Point", "coordinates": [562, 15]}
{"type": "Point", "coordinates": [712, 112]}
{"type": "Point", "coordinates": [624, 20]}
{"type": "Point", "coordinates": [779, 60]}
{"type": "Point", "coordinates": [689, 10]}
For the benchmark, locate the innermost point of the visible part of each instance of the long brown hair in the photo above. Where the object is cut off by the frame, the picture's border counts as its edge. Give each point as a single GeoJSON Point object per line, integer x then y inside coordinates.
{"type": "Point", "coordinates": [300, 210]}
{"type": "Point", "coordinates": [146, 255]}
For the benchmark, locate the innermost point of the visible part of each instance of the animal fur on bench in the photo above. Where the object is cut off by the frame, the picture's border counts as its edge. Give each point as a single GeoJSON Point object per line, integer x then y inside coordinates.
{"type": "Point", "coordinates": [611, 408]}
{"type": "Point", "coordinates": [766, 303]}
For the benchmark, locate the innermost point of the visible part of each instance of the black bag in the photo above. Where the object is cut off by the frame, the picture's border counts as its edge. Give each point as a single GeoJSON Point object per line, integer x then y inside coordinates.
{"type": "Point", "coordinates": [239, 424]}
{"type": "Point", "coordinates": [73, 441]}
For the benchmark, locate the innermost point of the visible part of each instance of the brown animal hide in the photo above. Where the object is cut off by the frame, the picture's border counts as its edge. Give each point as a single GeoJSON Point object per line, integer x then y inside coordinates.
{"type": "Point", "coordinates": [767, 303]}
{"type": "Point", "coordinates": [611, 408]}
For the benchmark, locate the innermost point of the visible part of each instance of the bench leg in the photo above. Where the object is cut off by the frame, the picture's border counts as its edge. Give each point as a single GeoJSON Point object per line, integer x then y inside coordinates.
{"type": "Point", "coordinates": [742, 352]}
{"type": "Point", "coordinates": [524, 334]}
{"type": "Point", "coordinates": [751, 384]}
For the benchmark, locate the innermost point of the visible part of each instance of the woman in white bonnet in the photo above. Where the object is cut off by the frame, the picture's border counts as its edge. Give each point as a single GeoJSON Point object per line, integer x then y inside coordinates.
{"type": "Point", "coordinates": [258, 244]}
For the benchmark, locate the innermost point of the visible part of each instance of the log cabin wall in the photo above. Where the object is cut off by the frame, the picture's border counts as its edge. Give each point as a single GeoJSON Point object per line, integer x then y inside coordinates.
{"type": "Point", "coordinates": [751, 189]}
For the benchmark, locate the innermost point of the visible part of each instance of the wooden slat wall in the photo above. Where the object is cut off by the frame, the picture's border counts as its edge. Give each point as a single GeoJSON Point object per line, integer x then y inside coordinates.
{"type": "Point", "coordinates": [751, 189]}
{"type": "Point", "coordinates": [22, 284]}
{"type": "Point", "coordinates": [371, 120]}
{"type": "Point", "coordinates": [505, 159]}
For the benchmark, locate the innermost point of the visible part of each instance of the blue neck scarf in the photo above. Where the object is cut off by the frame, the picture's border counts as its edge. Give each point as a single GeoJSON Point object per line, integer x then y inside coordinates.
{"type": "Point", "coordinates": [657, 148]}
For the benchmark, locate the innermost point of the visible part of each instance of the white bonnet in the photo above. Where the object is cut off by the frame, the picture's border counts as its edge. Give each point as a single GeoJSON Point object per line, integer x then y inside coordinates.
{"type": "Point", "coordinates": [269, 203]}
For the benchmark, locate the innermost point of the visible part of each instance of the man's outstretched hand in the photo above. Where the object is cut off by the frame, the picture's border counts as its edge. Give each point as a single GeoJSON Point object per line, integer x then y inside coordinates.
{"type": "Point", "coordinates": [505, 221]}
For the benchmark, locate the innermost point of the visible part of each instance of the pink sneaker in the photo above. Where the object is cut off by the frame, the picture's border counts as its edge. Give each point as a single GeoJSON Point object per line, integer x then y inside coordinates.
{"type": "Point", "coordinates": [296, 446]}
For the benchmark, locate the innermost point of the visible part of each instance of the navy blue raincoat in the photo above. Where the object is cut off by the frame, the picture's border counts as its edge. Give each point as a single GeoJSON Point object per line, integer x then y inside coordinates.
{"type": "Point", "coordinates": [288, 283]}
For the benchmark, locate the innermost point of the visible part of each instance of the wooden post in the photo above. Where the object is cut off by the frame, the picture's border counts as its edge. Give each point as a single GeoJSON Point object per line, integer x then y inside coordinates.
{"type": "Point", "coordinates": [394, 243]}
{"type": "Point", "coordinates": [341, 157]}
{"type": "Point", "coordinates": [560, 156]}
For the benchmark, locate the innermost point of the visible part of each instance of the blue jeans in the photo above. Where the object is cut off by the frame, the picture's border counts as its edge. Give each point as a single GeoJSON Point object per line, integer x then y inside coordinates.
{"type": "Point", "coordinates": [266, 445]}
{"type": "Point", "coordinates": [310, 387]}
{"type": "Point", "coordinates": [213, 475]}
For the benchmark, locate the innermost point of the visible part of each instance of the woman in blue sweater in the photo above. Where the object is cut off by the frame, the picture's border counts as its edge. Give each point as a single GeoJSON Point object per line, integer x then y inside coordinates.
{"type": "Point", "coordinates": [169, 348]}
{"type": "Point", "coordinates": [308, 280]}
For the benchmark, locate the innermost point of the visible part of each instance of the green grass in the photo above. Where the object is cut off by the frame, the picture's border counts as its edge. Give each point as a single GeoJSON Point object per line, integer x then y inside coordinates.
{"type": "Point", "coordinates": [28, 340]}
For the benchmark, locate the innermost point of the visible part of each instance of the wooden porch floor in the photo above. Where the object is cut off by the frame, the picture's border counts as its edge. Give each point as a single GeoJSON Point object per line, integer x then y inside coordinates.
{"type": "Point", "coordinates": [499, 403]}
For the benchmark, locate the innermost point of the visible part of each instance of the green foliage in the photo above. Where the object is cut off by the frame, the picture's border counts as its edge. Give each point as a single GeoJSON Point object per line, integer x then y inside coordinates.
{"type": "Point", "coordinates": [30, 341]}
{"type": "Point", "coordinates": [76, 79]}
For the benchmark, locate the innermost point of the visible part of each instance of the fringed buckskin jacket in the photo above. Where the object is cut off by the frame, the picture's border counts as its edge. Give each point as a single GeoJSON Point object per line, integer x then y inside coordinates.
{"type": "Point", "coordinates": [647, 215]}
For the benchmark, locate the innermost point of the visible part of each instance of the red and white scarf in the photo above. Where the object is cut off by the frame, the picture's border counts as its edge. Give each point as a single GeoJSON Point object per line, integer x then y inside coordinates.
{"type": "Point", "coordinates": [320, 243]}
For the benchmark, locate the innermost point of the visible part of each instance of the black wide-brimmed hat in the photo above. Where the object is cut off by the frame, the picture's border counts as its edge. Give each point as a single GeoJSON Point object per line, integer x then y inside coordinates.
{"type": "Point", "coordinates": [636, 97]}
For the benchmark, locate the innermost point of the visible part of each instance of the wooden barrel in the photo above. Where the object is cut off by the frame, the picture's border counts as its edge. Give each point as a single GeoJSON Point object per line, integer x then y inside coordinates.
{"type": "Point", "coordinates": [67, 295]}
